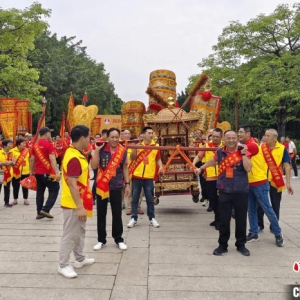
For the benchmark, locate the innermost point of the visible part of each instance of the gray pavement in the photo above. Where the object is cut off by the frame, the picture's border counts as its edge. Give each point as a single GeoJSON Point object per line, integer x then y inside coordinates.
{"type": "Point", "coordinates": [174, 261]}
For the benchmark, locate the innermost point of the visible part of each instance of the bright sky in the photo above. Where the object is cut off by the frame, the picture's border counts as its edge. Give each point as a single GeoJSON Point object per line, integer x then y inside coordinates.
{"type": "Point", "coordinates": [134, 37]}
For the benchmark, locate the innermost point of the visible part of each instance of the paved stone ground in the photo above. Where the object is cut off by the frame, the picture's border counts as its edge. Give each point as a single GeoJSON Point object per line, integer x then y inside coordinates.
{"type": "Point", "coordinates": [174, 261]}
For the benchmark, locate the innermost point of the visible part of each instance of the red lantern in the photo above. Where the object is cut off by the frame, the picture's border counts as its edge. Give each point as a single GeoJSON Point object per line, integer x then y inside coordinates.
{"type": "Point", "coordinates": [206, 95]}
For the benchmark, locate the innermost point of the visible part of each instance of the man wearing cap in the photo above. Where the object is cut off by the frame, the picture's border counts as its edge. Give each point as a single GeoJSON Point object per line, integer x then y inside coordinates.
{"type": "Point", "coordinates": [43, 165]}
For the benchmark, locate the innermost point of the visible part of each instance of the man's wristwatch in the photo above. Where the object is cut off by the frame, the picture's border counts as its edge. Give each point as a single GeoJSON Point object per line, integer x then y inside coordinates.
{"type": "Point", "coordinates": [127, 183]}
{"type": "Point", "coordinates": [243, 154]}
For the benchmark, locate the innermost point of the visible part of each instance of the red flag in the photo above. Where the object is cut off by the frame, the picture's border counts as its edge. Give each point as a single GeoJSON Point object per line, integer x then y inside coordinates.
{"type": "Point", "coordinates": [70, 119]}
{"type": "Point", "coordinates": [62, 126]}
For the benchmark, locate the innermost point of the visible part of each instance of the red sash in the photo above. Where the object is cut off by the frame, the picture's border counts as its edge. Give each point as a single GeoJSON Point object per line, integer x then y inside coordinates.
{"type": "Point", "coordinates": [139, 159]}
{"type": "Point", "coordinates": [85, 195]}
{"type": "Point", "coordinates": [229, 161]}
{"type": "Point", "coordinates": [19, 162]}
{"type": "Point", "coordinates": [104, 176]}
{"type": "Point", "coordinates": [277, 180]}
{"type": "Point", "coordinates": [46, 164]}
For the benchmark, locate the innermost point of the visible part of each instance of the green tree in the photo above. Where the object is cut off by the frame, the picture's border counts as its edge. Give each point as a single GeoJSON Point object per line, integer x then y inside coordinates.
{"type": "Point", "coordinates": [258, 65]}
{"type": "Point", "coordinates": [18, 31]}
{"type": "Point", "coordinates": [65, 67]}
{"type": "Point", "coordinates": [181, 97]}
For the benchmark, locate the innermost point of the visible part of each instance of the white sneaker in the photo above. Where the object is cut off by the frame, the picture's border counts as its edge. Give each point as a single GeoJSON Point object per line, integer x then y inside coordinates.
{"type": "Point", "coordinates": [154, 223]}
{"type": "Point", "coordinates": [87, 261]}
{"type": "Point", "coordinates": [98, 246]}
{"type": "Point", "coordinates": [122, 246]}
{"type": "Point", "coordinates": [132, 223]}
{"type": "Point", "coordinates": [295, 177]}
{"type": "Point", "coordinates": [67, 272]}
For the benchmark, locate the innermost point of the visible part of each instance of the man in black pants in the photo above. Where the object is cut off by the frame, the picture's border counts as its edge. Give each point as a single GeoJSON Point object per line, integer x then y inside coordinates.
{"type": "Point", "coordinates": [111, 161]}
{"type": "Point", "coordinates": [20, 156]}
{"type": "Point", "coordinates": [233, 165]}
{"type": "Point", "coordinates": [211, 174]}
{"type": "Point", "coordinates": [43, 165]}
{"type": "Point", "coordinates": [200, 142]}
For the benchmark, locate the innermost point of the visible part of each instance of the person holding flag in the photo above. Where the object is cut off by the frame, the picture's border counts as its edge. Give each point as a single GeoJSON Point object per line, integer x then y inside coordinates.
{"type": "Point", "coordinates": [43, 165]}
{"type": "Point", "coordinates": [76, 203]}
{"type": "Point", "coordinates": [20, 155]}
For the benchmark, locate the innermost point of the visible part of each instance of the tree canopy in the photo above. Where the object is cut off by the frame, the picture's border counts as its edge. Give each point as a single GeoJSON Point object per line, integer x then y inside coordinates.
{"type": "Point", "coordinates": [258, 65]}
{"type": "Point", "coordinates": [35, 63]}
{"type": "Point", "coordinates": [18, 31]}
{"type": "Point", "coordinates": [66, 68]}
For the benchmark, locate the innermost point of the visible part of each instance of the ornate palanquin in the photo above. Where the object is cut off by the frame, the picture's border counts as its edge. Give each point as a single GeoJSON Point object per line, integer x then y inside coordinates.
{"type": "Point", "coordinates": [173, 126]}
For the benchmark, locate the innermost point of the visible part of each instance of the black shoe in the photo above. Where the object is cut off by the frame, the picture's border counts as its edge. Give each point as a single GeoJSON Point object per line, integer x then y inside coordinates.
{"type": "Point", "coordinates": [252, 237]}
{"type": "Point", "coordinates": [243, 250]}
{"type": "Point", "coordinates": [219, 251]}
{"type": "Point", "coordinates": [38, 217]}
{"type": "Point", "coordinates": [195, 198]}
{"type": "Point", "coordinates": [202, 199]}
{"type": "Point", "coordinates": [8, 205]}
{"type": "Point", "coordinates": [279, 240]}
{"type": "Point", "coordinates": [209, 209]}
{"type": "Point", "coordinates": [212, 223]}
{"type": "Point", "coordinates": [46, 214]}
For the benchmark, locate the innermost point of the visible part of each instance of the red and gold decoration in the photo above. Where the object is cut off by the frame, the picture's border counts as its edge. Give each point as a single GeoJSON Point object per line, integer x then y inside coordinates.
{"type": "Point", "coordinates": [96, 125]}
{"type": "Point", "coordinates": [174, 128]}
{"type": "Point", "coordinates": [14, 109]}
{"type": "Point", "coordinates": [132, 116]}
{"type": "Point", "coordinates": [22, 108]}
{"type": "Point", "coordinates": [162, 85]}
{"type": "Point", "coordinates": [70, 118]}
{"type": "Point", "coordinates": [8, 123]}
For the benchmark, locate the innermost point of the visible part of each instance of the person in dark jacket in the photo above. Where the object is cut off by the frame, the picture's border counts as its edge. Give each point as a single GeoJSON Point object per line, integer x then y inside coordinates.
{"type": "Point", "coordinates": [232, 183]}
{"type": "Point", "coordinates": [111, 160]}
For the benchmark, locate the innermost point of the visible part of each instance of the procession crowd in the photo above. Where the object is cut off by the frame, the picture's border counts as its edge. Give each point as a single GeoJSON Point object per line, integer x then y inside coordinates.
{"type": "Point", "coordinates": [239, 176]}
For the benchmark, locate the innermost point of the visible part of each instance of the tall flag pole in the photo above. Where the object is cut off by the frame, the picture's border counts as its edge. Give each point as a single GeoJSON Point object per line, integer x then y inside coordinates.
{"type": "Point", "coordinates": [41, 121]}
{"type": "Point", "coordinates": [62, 126]}
{"type": "Point", "coordinates": [70, 119]}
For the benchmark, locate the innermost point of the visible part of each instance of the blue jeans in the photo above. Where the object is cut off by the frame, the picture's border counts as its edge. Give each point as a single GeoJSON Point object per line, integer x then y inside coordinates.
{"type": "Point", "coordinates": [260, 195]}
{"type": "Point", "coordinates": [148, 186]}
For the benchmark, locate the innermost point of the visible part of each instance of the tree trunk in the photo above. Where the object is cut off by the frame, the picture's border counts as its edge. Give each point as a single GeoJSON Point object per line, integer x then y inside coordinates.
{"type": "Point", "coordinates": [281, 118]}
